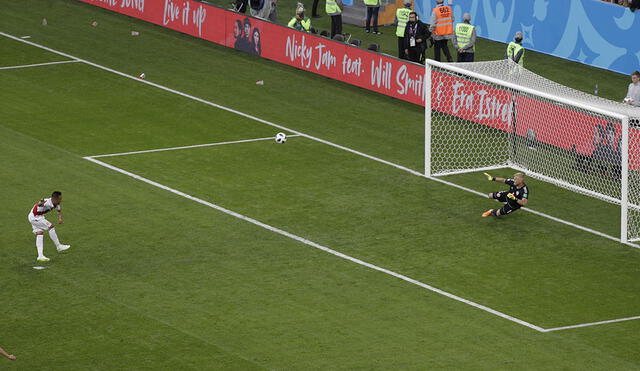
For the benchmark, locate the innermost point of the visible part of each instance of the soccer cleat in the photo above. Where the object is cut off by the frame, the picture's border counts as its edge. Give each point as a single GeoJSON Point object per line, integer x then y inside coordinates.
{"type": "Point", "coordinates": [63, 248]}
{"type": "Point", "coordinates": [43, 259]}
{"type": "Point", "coordinates": [487, 213]}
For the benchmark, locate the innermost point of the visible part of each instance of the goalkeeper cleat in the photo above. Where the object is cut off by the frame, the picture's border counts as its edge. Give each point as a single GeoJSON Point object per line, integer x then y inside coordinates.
{"type": "Point", "coordinates": [63, 248]}
{"type": "Point", "coordinates": [489, 177]}
{"type": "Point", "coordinates": [487, 213]}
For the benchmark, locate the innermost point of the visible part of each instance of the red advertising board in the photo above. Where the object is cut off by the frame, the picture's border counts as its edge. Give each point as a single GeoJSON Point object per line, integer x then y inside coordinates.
{"type": "Point", "coordinates": [552, 124]}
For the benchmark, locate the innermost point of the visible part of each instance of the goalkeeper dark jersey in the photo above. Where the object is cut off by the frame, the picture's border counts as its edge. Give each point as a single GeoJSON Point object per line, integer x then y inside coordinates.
{"type": "Point", "coordinates": [520, 193]}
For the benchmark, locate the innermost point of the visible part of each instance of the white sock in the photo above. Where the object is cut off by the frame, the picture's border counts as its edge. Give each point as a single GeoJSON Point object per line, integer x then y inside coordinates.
{"type": "Point", "coordinates": [54, 236]}
{"type": "Point", "coordinates": [40, 245]}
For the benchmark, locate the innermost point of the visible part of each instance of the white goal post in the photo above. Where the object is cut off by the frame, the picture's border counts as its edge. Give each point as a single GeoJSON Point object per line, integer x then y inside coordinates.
{"type": "Point", "coordinates": [490, 115]}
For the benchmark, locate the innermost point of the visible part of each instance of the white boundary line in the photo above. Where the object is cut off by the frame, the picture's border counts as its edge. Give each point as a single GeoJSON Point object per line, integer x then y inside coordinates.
{"type": "Point", "coordinates": [315, 245]}
{"type": "Point", "coordinates": [188, 147]}
{"type": "Point", "coordinates": [37, 64]}
{"type": "Point", "coordinates": [414, 172]}
{"type": "Point", "coordinates": [591, 324]}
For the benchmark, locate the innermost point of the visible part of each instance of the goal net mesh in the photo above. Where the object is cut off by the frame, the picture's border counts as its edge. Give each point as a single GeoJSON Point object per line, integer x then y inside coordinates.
{"type": "Point", "coordinates": [497, 114]}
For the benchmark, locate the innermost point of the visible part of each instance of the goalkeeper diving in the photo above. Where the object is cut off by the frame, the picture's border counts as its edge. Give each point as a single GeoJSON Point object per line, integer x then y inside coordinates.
{"type": "Point", "coordinates": [516, 197]}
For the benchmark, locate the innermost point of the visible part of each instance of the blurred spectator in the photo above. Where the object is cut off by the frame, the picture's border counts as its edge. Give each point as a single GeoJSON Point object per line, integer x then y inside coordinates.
{"type": "Point", "coordinates": [314, 9]}
{"type": "Point", "coordinates": [633, 93]}
{"type": "Point", "coordinates": [441, 26]}
{"type": "Point", "coordinates": [515, 50]}
{"type": "Point", "coordinates": [402, 16]}
{"type": "Point", "coordinates": [240, 6]}
{"type": "Point", "coordinates": [464, 40]}
{"type": "Point", "coordinates": [373, 7]}
{"type": "Point", "coordinates": [264, 9]}
{"type": "Point", "coordinates": [416, 35]}
{"type": "Point", "coordinates": [334, 9]}
{"type": "Point", "coordinates": [299, 22]}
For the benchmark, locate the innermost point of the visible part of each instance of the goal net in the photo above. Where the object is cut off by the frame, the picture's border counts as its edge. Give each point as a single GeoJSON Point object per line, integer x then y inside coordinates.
{"type": "Point", "coordinates": [489, 115]}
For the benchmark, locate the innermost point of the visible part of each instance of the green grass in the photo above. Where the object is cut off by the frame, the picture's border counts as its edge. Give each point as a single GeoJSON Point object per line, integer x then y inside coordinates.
{"type": "Point", "coordinates": [157, 281]}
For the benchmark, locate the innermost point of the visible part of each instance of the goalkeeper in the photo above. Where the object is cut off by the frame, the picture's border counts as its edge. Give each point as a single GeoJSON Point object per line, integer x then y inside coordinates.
{"type": "Point", "coordinates": [516, 197]}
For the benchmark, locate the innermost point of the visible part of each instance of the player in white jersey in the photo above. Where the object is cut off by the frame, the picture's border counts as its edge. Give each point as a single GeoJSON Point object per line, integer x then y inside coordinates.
{"type": "Point", "coordinates": [40, 224]}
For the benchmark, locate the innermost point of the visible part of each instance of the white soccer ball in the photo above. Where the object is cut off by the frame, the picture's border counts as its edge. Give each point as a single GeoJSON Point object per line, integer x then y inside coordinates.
{"type": "Point", "coordinates": [281, 138]}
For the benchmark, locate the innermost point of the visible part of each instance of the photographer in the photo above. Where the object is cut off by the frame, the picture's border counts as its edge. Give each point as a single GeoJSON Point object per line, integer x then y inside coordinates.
{"type": "Point", "coordinates": [416, 35]}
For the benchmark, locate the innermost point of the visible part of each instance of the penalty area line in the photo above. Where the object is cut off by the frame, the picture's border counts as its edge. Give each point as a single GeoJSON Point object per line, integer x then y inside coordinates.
{"type": "Point", "coordinates": [316, 245]}
{"type": "Point", "coordinates": [37, 65]}
{"type": "Point", "coordinates": [188, 147]}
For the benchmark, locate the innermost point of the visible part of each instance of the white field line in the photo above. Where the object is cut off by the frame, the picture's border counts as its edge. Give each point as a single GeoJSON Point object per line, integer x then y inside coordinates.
{"type": "Point", "coordinates": [187, 147]}
{"type": "Point", "coordinates": [591, 324]}
{"type": "Point", "coordinates": [37, 64]}
{"type": "Point", "coordinates": [411, 171]}
{"type": "Point", "coordinates": [315, 245]}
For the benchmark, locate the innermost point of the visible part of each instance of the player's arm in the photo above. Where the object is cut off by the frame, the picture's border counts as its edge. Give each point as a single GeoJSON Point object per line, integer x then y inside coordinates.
{"type": "Point", "coordinates": [522, 202]}
{"type": "Point", "coordinates": [59, 216]}
{"type": "Point", "coordinates": [10, 356]}
{"type": "Point", "coordinates": [491, 178]}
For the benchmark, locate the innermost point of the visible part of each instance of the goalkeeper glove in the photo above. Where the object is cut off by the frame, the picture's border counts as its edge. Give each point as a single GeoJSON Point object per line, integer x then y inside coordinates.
{"type": "Point", "coordinates": [511, 196]}
{"type": "Point", "coordinates": [489, 177]}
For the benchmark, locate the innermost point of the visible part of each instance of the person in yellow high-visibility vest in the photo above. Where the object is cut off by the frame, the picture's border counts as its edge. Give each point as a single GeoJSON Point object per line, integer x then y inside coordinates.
{"type": "Point", "coordinates": [299, 21]}
{"type": "Point", "coordinates": [464, 39]}
{"type": "Point", "coordinates": [334, 10]}
{"type": "Point", "coordinates": [441, 27]}
{"type": "Point", "coordinates": [402, 17]}
{"type": "Point", "coordinates": [515, 50]}
{"type": "Point", "coordinates": [373, 7]}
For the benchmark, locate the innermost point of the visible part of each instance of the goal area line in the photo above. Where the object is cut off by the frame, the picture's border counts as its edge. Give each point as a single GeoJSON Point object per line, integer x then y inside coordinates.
{"type": "Point", "coordinates": [301, 239]}
{"type": "Point", "coordinates": [188, 147]}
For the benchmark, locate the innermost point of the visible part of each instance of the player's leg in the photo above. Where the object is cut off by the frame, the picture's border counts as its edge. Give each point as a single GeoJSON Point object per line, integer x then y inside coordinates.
{"type": "Point", "coordinates": [54, 237]}
{"type": "Point", "coordinates": [40, 247]}
{"type": "Point", "coordinates": [39, 225]}
{"type": "Point", "coordinates": [504, 210]}
{"type": "Point", "coordinates": [500, 197]}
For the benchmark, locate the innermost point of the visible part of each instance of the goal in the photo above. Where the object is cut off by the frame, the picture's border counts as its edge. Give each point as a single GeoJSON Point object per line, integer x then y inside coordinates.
{"type": "Point", "coordinates": [489, 115]}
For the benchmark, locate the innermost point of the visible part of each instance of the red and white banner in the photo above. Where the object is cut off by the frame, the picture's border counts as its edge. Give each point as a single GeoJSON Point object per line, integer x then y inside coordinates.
{"type": "Point", "coordinates": [372, 71]}
{"type": "Point", "coordinates": [552, 124]}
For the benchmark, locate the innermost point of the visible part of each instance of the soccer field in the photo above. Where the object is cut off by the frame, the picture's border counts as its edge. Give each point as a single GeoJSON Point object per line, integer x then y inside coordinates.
{"type": "Point", "coordinates": [200, 243]}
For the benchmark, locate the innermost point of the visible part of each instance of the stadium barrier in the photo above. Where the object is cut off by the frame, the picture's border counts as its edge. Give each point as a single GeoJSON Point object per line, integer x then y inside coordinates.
{"type": "Point", "coordinates": [369, 70]}
{"type": "Point", "coordinates": [373, 71]}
